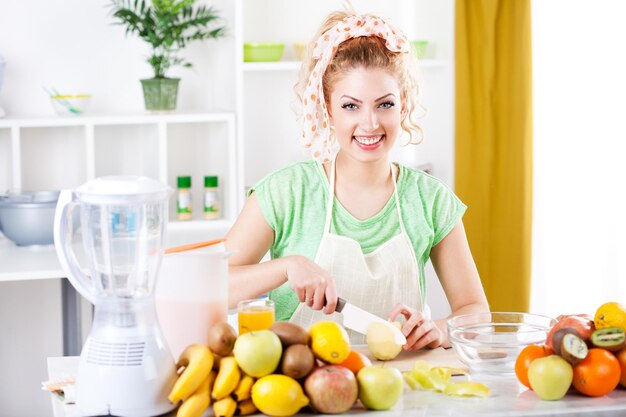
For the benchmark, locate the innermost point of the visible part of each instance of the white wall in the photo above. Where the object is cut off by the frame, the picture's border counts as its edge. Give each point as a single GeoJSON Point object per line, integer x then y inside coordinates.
{"type": "Point", "coordinates": [579, 226]}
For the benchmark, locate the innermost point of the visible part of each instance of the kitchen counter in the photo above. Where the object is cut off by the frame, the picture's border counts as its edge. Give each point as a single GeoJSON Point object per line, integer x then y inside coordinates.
{"type": "Point", "coordinates": [507, 398]}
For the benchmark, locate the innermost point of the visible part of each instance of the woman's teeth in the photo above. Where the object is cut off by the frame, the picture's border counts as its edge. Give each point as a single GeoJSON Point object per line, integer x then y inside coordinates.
{"type": "Point", "coordinates": [368, 140]}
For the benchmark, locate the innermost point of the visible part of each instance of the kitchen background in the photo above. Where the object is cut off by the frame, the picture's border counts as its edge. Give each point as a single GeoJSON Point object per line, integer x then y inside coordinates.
{"type": "Point", "coordinates": [234, 120]}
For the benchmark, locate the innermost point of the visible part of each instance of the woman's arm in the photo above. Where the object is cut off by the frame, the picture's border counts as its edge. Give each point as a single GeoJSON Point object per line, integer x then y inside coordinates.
{"type": "Point", "coordinates": [252, 237]}
{"type": "Point", "coordinates": [455, 267]}
{"type": "Point", "coordinates": [459, 278]}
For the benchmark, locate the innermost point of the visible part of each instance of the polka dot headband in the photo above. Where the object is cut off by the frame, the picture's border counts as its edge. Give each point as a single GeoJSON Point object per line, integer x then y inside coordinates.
{"type": "Point", "coordinates": [316, 126]}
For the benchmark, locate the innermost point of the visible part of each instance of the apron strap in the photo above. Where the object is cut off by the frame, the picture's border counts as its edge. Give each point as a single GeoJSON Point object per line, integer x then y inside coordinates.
{"type": "Point", "coordinates": [331, 197]}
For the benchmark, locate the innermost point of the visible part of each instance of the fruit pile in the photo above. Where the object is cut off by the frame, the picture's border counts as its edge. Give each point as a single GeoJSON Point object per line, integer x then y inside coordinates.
{"type": "Point", "coordinates": [588, 353]}
{"type": "Point", "coordinates": [279, 371]}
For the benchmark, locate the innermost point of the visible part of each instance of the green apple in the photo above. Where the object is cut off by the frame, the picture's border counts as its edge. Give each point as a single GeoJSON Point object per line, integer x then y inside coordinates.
{"type": "Point", "coordinates": [379, 387]}
{"type": "Point", "coordinates": [258, 353]}
{"type": "Point", "coordinates": [550, 377]}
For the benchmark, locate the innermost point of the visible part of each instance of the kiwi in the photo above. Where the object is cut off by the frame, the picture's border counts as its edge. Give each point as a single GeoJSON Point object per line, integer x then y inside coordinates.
{"type": "Point", "coordinates": [290, 333]}
{"type": "Point", "coordinates": [557, 338]}
{"type": "Point", "coordinates": [573, 348]}
{"type": "Point", "coordinates": [610, 338]}
{"type": "Point", "coordinates": [221, 339]}
{"type": "Point", "coordinates": [297, 361]}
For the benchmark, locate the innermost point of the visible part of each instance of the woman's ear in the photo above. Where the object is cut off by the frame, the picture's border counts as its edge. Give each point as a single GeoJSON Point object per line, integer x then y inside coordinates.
{"type": "Point", "coordinates": [404, 110]}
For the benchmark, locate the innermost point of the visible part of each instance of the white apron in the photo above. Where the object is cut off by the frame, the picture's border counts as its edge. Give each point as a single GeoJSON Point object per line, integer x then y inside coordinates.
{"type": "Point", "coordinates": [375, 282]}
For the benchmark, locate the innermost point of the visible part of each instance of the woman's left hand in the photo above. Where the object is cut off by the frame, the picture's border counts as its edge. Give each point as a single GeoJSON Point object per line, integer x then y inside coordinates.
{"type": "Point", "coordinates": [420, 331]}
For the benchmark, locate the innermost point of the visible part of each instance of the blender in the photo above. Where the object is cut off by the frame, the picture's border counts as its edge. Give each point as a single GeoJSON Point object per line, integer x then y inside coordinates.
{"type": "Point", "coordinates": [125, 367]}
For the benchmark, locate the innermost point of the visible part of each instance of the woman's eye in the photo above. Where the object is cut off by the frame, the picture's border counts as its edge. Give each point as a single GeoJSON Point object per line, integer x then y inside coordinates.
{"type": "Point", "coordinates": [387, 105]}
{"type": "Point", "coordinates": [349, 106]}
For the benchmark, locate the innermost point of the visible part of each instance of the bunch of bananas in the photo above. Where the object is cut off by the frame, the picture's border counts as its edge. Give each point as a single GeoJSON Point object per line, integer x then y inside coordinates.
{"type": "Point", "coordinates": [205, 381]}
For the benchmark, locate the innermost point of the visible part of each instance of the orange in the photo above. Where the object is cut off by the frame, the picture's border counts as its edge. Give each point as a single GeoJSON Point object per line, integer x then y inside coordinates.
{"type": "Point", "coordinates": [621, 357]}
{"type": "Point", "coordinates": [356, 361]}
{"type": "Point", "coordinates": [525, 358]}
{"type": "Point", "coordinates": [597, 374]}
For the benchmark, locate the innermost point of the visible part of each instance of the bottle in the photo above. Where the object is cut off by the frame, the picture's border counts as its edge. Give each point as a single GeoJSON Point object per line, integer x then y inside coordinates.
{"type": "Point", "coordinates": [211, 198]}
{"type": "Point", "coordinates": [183, 198]}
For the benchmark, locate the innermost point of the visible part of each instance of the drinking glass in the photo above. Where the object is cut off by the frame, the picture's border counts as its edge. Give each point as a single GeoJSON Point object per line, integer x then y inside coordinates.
{"type": "Point", "coordinates": [256, 314]}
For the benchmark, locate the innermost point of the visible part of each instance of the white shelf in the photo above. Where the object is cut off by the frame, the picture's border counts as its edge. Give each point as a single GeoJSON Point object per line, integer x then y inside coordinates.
{"type": "Point", "coordinates": [112, 119]}
{"type": "Point", "coordinates": [295, 65]}
{"type": "Point", "coordinates": [160, 145]}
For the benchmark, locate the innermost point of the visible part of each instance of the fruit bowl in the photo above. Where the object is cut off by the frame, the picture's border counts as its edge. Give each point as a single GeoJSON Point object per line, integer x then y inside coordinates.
{"type": "Point", "coordinates": [70, 104]}
{"type": "Point", "coordinates": [491, 342]}
{"type": "Point", "coordinates": [263, 52]}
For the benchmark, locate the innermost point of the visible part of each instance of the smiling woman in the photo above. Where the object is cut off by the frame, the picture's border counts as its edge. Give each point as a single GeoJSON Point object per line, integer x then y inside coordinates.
{"type": "Point", "coordinates": [350, 222]}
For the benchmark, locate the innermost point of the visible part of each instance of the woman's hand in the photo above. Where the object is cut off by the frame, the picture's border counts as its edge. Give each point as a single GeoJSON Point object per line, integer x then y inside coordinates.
{"type": "Point", "coordinates": [313, 285]}
{"type": "Point", "coordinates": [419, 331]}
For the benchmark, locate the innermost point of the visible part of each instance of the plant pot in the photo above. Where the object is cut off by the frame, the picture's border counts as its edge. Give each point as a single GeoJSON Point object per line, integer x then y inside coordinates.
{"type": "Point", "coordinates": [160, 93]}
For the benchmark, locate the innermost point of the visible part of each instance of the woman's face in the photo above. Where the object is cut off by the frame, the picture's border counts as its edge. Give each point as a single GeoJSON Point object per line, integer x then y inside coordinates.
{"type": "Point", "coordinates": [365, 112]}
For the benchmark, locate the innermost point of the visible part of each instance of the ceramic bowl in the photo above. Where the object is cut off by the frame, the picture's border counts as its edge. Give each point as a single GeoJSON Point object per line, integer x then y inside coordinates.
{"type": "Point", "coordinates": [491, 342]}
{"type": "Point", "coordinates": [263, 52]}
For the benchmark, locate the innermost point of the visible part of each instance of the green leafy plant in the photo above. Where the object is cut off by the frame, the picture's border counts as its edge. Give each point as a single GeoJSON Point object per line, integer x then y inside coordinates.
{"type": "Point", "coordinates": [168, 26]}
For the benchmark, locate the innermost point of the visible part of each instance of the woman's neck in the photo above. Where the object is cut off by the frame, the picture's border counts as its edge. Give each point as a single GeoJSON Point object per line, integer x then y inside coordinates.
{"type": "Point", "coordinates": [362, 174]}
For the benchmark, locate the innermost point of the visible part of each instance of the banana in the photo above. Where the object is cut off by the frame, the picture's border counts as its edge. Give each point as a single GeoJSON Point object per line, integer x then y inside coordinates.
{"type": "Point", "coordinates": [197, 402]}
{"type": "Point", "coordinates": [198, 361]}
{"type": "Point", "coordinates": [227, 378]}
{"type": "Point", "coordinates": [244, 389]}
{"type": "Point", "coordinates": [225, 407]}
{"type": "Point", "coordinates": [246, 407]}
{"type": "Point", "coordinates": [211, 381]}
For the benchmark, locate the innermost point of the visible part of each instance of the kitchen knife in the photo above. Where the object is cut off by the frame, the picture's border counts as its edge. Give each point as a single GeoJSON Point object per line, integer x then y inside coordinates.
{"type": "Point", "coordinates": [357, 319]}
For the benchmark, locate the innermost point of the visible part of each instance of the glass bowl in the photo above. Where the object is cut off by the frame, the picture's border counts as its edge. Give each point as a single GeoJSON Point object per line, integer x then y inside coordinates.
{"type": "Point", "coordinates": [491, 342]}
{"type": "Point", "coordinates": [70, 104]}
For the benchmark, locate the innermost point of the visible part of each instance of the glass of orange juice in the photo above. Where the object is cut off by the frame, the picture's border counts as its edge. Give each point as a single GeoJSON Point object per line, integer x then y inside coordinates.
{"type": "Point", "coordinates": [257, 314]}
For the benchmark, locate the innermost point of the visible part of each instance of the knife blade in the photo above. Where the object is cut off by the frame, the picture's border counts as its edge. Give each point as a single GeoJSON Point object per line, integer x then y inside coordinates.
{"type": "Point", "coordinates": [357, 319]}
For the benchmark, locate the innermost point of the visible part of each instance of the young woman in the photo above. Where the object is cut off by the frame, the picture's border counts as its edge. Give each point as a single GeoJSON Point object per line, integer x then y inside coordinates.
{"type": "Point", "coordinates": [350, 223]}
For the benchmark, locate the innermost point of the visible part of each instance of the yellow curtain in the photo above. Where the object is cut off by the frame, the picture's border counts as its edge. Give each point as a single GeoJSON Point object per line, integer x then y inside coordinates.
{"type": "Point", "coordinates": [493, 168]}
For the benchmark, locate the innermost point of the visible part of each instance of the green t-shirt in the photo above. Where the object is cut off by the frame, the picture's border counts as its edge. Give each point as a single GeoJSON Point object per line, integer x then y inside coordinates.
{"type": "Point", "coordinates": [293, 202]}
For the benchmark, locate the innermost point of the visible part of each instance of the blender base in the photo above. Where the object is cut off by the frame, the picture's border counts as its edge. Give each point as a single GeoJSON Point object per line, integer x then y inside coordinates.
{"type": "Point", "coordinates": [127, 378]}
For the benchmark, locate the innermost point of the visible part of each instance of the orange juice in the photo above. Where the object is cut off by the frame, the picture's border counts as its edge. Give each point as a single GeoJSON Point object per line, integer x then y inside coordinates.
{"type": "Point", "coordinates": [253, 318]}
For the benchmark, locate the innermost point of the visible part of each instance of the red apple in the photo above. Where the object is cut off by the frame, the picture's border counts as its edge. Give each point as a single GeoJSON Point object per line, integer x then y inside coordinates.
{"type": "Point", "coordinates": [582, 323]}
{"type": "Point", "coordinates": [332, 389]}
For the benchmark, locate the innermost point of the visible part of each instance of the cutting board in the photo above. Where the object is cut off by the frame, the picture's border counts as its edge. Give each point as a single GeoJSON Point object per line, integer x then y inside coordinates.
{"type": "Point", "coordinates": [405, 360]}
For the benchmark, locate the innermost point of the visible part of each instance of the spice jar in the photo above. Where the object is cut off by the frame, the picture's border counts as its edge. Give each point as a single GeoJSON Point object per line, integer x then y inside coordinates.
{"type": "Point", "coordinates": [211, 198]}
{"type": "Point", "coordinates": [183, 198]}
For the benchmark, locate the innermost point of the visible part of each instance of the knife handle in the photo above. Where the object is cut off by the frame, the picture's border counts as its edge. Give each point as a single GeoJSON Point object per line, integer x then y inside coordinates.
{"type": "Point", "coordinates": [341, 303]}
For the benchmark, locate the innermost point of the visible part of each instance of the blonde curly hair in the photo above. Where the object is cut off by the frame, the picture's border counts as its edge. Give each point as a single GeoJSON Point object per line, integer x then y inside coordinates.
{"type": "Point", "coordinates": [366, 52]}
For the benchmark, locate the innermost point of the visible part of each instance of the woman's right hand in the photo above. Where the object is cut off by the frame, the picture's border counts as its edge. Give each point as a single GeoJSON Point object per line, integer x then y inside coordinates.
{"type": "Point", "coordinates": [312, 284]}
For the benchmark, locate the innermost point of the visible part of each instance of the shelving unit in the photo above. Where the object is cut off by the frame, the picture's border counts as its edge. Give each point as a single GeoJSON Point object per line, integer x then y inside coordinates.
{"type": "Point", "coordinates": [266, 122]}
{"type": "Point", "coordinates": [64, 152]}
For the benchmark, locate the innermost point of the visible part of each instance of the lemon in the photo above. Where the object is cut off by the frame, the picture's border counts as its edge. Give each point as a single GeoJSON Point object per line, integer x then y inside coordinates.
{"type": "Point", "coordinates": [329, 342]}
{"type": "Point", "coordinates": [467, 389]}
{"type": "Point", "coordinates": [278, 395]}
{"type": "Point", "coordinates": [610, 315]}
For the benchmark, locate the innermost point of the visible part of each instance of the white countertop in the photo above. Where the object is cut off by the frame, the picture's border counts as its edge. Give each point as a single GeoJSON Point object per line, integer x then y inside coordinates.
{"type": "Point", "coordinates": [507, 398]}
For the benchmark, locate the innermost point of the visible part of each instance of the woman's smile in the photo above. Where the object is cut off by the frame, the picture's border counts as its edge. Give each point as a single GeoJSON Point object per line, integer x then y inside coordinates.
{"type": "Point", "coordinates": [369, 142]}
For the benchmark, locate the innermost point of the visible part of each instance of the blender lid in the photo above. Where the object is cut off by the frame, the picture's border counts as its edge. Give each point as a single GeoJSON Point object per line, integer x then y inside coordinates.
{"type": "Point", "coordinates": [123, 190]}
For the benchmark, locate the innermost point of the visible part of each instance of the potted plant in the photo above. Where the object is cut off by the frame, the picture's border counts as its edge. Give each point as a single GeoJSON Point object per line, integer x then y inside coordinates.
{"type": "Point", "coordinates": [167, 26]}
